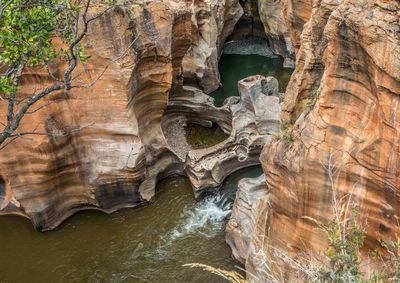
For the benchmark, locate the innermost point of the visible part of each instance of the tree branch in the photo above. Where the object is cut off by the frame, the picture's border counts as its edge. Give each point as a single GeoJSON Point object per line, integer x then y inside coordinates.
{"type": "Point", "coordinates": [73, 23]}
{"type": "Point", "coordinates": [106, 67]}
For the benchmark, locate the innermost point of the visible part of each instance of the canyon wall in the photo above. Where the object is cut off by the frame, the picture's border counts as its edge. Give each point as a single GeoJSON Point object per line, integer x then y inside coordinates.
{"type": "Point", "coordinates": [265, 19]}
{"type": "Point", "coordinates": [276, 30]}
{"type": "Point", "coordinates": [103, 147]}
{"type": "Point", "coordinates": [342, 104]}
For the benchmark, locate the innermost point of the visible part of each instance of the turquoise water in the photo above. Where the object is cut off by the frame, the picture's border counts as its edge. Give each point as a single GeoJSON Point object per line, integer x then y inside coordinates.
{"type": "Point", "coordinates": [234, 67]}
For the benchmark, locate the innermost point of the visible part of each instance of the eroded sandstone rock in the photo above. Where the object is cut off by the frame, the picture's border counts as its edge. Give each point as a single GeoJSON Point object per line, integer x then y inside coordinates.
{"type": "Point", "coordinates": [344, 95]}
{"type": "Point", "coordinates": [276, 29]}
{"type": "Point", "coordinates": [104, 147]}
{"type": "Point", "coordinates": [255, 118]}
{"type": "Point", "coordinates": [107, 146]}
{"type": "Point", "coordinates": [212, 22]}
{"type": "Point", "coordinates": [242, 222]}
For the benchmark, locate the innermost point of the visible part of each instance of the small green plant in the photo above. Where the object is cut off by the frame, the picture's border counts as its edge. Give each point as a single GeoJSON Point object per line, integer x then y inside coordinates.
{"type": "Point", "coordinates": [143, 5]}
{"type": "Point", "coordinates": [309, 102]}
{"type": "Point", "coordinates": [341, 261]}
{"type": "Point", "coordinates": [345, 236]}
{"type": "Point", "coordinates": [305, 103]}
{"type": "Point", "coordinates": [314, 96]}
{"type": "Point", "coordinates": [285, 134]}
{"type": "Point", "coordinates": [389, 270]}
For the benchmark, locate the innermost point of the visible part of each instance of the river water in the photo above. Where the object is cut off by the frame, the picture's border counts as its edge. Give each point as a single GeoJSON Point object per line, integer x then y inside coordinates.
{"type": "Point", "coordinates": [234, 67]}
{"type": "Point", "coordinates": [147, 244]}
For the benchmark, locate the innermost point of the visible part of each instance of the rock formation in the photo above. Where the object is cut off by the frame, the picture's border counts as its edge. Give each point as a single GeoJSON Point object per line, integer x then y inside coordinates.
{"type": "Point", "coordinates": [278, 33]}
{"type": "Point", "coordinates": [255, 118]}
{"type": "Point", "coordinates": [103, 147]}
{"type": "Point", "coordinates": [244, 216]}
{"type": "Point", "coordinates": [265, 19]}
{"type": "Point", "coordinates": [342, 102]}
{"type": "Point", "coordinates": [107, 146]}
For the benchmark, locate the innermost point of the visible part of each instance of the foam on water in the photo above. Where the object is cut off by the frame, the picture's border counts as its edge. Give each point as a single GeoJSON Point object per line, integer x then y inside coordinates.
{"type": "Point", "coordinates": [203, 220]}
{"type": "Point", "coordinates": [206, 218]}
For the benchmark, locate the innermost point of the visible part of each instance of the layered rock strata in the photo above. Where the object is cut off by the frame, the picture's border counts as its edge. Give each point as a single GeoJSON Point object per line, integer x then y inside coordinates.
{"type": "Point", "coordinates": [265, 19]}
{"type": "Point", "coordinates": [255, 118]}
{"type": "Point", "coordinates": [343, 98]}
{"type": "Point", "coordinates": [251, 193]}
{"type": "Point", "coordinates": [107, 146]}
{"type": "Point", "coordinates": [103, 147]}
{"type": "Point", "coordinates": [250, 23]}
{"type": "Point", "coordinates": [271, 13]}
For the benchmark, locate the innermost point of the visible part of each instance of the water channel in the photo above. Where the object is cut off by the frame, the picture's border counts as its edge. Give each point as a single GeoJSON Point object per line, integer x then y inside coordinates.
{"type": "Point", "coordinates": [147, 244]}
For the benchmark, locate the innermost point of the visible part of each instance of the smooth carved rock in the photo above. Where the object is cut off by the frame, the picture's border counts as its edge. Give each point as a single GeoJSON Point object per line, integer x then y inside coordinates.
{"type": "Point", "coordinates": [212, 22]}
{"type": "Point", "coordinates": [250, 23]}
{"type": "Point", "coordinates": [255, 118]}
{"type": "Point", "coordinates": [245, 231]}
{"type": "Point", "coordinates": [271, 14]}
{"type": "Point", "coordinates": [110, 144]}
{"type": "Point", "coordinates": [297, 13]}
{"type": "Point", "coordinates": [349, 52]}
{"type": "Point", "coordinates": [239, 230]}
{"type": "Point", "coordinates": [98, 161]}
{"type": "Point", "coordinates": [108, 149]}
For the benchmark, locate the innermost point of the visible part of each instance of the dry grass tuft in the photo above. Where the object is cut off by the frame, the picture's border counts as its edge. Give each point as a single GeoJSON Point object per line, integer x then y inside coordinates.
{"type": "Point", "coordinates": [231, 276]}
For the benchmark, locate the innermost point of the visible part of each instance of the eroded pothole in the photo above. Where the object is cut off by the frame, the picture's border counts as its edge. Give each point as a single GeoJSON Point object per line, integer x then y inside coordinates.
{"type": "Point", "coordinates": [198, 136]}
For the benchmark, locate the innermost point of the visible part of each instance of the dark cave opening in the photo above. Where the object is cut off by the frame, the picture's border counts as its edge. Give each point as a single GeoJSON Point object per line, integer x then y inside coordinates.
{"type": "Point", "coordinates": [250, 23]}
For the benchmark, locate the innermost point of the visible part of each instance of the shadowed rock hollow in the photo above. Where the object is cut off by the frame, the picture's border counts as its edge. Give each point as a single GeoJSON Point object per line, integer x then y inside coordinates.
{"type": "Point", "coordinates": [107, 146]}
{"type": "Point", "coordinates": [109, 150]}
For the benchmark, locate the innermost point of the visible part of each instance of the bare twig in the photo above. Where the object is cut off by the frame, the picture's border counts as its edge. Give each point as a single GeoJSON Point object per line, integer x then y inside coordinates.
{"type": "Point", "coordinates": [106, 67]}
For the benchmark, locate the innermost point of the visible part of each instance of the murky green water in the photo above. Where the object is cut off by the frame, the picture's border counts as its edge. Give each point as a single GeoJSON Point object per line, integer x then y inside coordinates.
{"type": "Point", "coordinates": [202, 137]}
{"type": "Point", "coordinates": [234, 67]}
{"type": "Point", "coordinates": [148, 244]}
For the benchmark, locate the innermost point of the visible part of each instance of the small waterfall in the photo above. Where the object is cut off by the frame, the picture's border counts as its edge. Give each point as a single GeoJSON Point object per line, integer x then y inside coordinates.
{"type": "Point", "coordinates": [205, 218]}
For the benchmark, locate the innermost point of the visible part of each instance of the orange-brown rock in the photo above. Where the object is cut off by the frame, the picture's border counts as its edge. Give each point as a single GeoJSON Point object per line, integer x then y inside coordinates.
{"type": "Point", "coordinates": [103, 147]}
{"type": "Point", "coordinates": [276, 29]}
{"type": "Point", "coordinates": [283, 23]}
{"type": "Point", "coordinates": [344, 96]}
{"type": "Point", "coordinates": [297, 13]}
